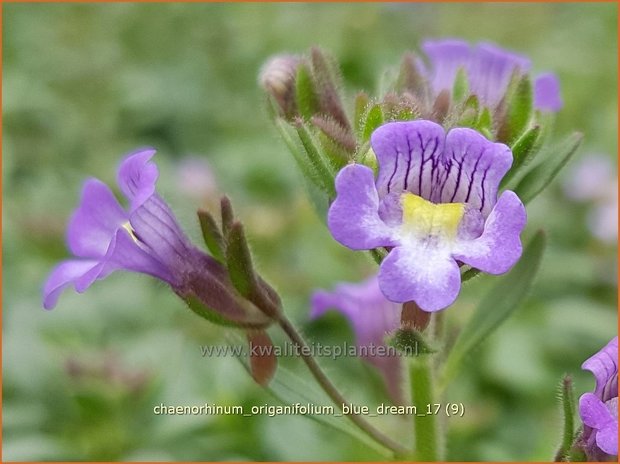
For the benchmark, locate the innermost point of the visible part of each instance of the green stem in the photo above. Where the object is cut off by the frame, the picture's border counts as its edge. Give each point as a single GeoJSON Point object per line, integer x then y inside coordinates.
{"type": "Point", "coordinates": [426, 437]}
{"type": "Point", "coordinates": [334, 393]}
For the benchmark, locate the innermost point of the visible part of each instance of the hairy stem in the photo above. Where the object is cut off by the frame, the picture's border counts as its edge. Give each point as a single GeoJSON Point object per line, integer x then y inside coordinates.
{"type": "Point", "coordinates": [334, 393]}
{"type": "Point", "coordinates": [426, 437]}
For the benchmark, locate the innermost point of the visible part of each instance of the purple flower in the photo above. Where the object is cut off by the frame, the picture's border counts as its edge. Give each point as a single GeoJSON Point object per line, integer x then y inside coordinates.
{"type": "Point", "coordinates": [489, 70]}
{"type": "Point", "coordinates": [594, 179]}
{"type": "Point", "coordinates": [599, 410]}
{"type": "Point", "coordinates": [434, 205]}
{"type": "Point", "coordinates": [373, 318]}
{"type": "Point", "coordinates": [144, 237]}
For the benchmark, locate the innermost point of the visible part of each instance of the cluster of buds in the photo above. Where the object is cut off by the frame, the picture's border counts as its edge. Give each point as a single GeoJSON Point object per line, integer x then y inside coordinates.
{"type": "Point", "coordinates": [456, 85]}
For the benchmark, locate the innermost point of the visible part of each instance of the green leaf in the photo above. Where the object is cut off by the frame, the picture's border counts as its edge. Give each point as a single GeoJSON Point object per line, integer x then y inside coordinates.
{"type": "Point", "coordinates": [211, 235]}
{"type": "Point", "coordinates": [461, 86]}
{"type": "Point", "coordinates": [312, 182]}
{"type": "Point", "coordinates": [541, 175]}
{"type": "Point", "coordinates": [374, 118]}
{"type": "Point", "coordinates": [567, 398]}
{"type": "Point", "coordinates": [305, 94]}
{"type": "Point", "coordinates": [523, 151]}
{"type": "Point", "coordinates": [503, 299]}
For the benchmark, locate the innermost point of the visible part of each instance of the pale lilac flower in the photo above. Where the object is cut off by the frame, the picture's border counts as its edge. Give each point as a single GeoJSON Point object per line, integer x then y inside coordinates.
{"type": "Point", "coordinates": [373, 318]}
{"type": "Point", "coordinates": [489, 70]}
{"type": "Point", "coordinates": [144, 237]}
{"type": "Point", "coordinates": [599, 410]}
{"type": "Point", "coordinates": [434, 205]}
{"type": "Point", "coordinates": [594, 179]}
{"type": "Point", "coordinates": [196, 179]}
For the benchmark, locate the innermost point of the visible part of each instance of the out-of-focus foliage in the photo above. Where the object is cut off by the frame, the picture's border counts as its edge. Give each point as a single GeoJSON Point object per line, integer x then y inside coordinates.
{"type": "Point", "coordinates": [85, 83]}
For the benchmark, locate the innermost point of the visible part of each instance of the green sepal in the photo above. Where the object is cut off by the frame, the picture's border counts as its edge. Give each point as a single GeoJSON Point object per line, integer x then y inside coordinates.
{"type": "Point", "coordinates": [324, 174]}
{"type": "Point", "coordinates": [519, 108]}
{"type": "Point", "coordinates": [567, 400]}
{"type": "Point", "coordinates": [523, 151]}
{"type": "Point", "coordinates": [409, 78]}
{"type": "Point", "coordinates": [212, 235]}
{"type": "Point", "coordinates": [504, 298]}
{"type": "Point", "coordinates": [227, 214]}
{"type": "Point", "coordinates": [541, 175]}
{"type": "Point", "coordinates": [241, 272]}
{"type": "Point", "coordinates": [461, 86]}
{"type": "Point", "coordinates": [484, 124]}
{"type": "Point", "coordinates": [215, 317]}
{"type": "Point", "coordinates": [337, 140]}
{"type": "Point", "coordinates": [207, 313]}
{"type": "Point", "coordinates": [361, 105]}
{"type": "Point", "coordinates": [378, 254]}
{"type": "Point", "coordinates": [374, 118]}
{"type": "Point", "coordinates": [305, 94]}
{"type": "Point", "coordinates": [410, 342]}
{"type": "Point", "coordinates": [326, 77]}
{"type": "Point", "coordinates": [239, 261]}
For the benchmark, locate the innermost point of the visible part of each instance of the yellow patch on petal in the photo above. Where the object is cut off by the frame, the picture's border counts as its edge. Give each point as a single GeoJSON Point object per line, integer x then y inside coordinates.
{"type": "Point", "coordinates": [427, 219]}
{"type": "Point", "coordinates": [127, 227]}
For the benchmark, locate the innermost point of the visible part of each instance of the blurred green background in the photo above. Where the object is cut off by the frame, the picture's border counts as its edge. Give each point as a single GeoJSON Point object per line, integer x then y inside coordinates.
{"type": "Point", "coordinates": [85, 83]}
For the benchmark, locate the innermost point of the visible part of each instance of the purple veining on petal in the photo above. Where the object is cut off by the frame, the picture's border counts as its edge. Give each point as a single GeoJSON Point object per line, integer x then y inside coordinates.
{"type": "Point", "coordinates": [482, 165]}
{"type": "Point", "coordinates": [373, 318]}
{"type": "Point", "coordinates": [417, 160]}
{"type": "Point", "coordinates": [394, 149]}
{"type": "Point", "coordinates": [137, 176]}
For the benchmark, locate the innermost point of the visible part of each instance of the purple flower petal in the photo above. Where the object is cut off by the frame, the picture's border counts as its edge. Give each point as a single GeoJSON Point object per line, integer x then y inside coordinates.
{"type": "Point", "coordinates": [490, 71]}
{"type": "Point", "coordinates": [63, 275]}
{"type": "Point", "coordinates": [446, 58]}
{"type": "Point", "coordinates": [124, 253]}
{"type": "Point", "coordinates": [353, 217]}
{"type": "Point", "coordinates": [157, 229]}
{"type": "Point", "coordinates": [547, 93]}
{"type": "Point", "coordinates": [499, 246]}
{"type": "Point", "coordinates": [429, 276]}
{"type": "Point", "coordinates": [607, 438]}
{"type": "Point", "coordinates": [95, 221]}
{"type": "Point", "coordinates": [604, 366]}
{"type": "Point", "coordinates": [475, 166]}
{"type": "Point", "coordinates": [137, 176]}
{"type": "Point", "coordinates": [372, 317]}
{"type": "Point", "coordinates": [408, 154]}
{"type": "Point", "coordinates": [593, 411]}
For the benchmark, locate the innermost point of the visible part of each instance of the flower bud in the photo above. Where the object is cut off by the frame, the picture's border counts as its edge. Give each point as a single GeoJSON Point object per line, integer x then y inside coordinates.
{"type": "Point", "coordinates": [277, 77]}
{"type": "Point", "coordinates": [263, 361]}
